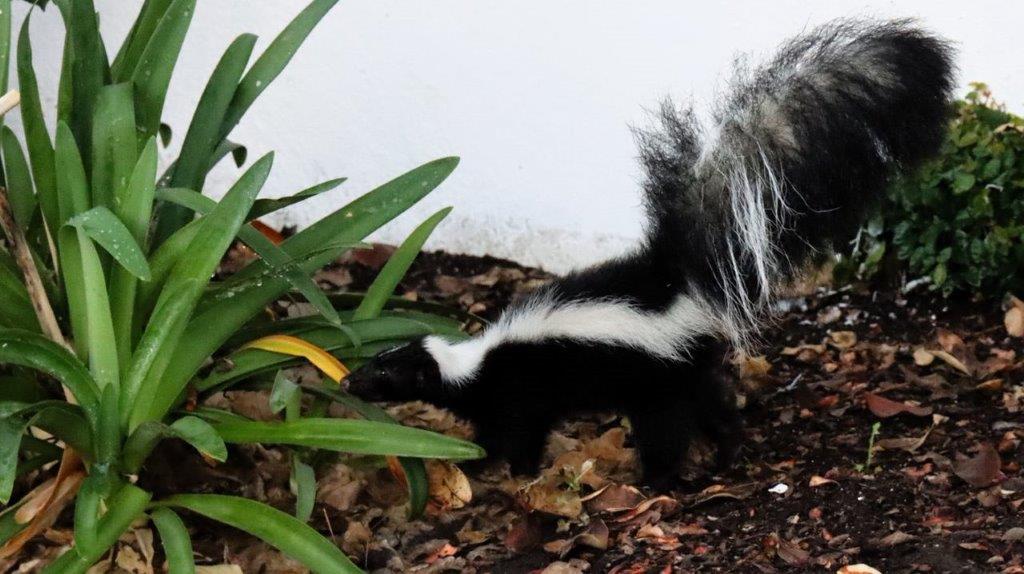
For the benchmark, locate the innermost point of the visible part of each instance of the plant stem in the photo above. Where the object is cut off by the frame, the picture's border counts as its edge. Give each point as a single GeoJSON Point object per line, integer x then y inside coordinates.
{"type": "Point", "coordinates": [18, 245]}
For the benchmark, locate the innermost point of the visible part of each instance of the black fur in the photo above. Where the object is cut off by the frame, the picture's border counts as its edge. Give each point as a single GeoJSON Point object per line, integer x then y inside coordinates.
{"type": "Point", "coordinates": [820, 129]}
{"type": "Point", "coordinates": [524, 389]}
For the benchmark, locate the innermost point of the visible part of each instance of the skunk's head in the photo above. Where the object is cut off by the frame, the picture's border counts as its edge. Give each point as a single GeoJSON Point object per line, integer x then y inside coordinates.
{"type": "Point", "coordinates": [405, 373]}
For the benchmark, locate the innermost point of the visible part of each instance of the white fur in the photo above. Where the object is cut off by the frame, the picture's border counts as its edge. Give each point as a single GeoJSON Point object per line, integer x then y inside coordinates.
{"type": "Point", "coordinates": [607, 322]}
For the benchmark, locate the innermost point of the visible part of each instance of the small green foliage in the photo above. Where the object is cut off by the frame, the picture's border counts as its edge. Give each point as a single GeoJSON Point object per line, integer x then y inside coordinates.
{"type": "Point", "coordinates": [959, 221]}
{"type": "Point", "coordinates": [866, 467]}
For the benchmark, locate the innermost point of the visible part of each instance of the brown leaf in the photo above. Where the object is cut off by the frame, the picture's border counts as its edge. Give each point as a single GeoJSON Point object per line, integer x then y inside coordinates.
{"type": "Point", "coordinates": [842, 339]}
{"type": "Point", "coordinates": [952, 361]}
{"type": "Point", "coordinates": [1014, 322]}
{"type": "Point", "coordinates": [613, 498]}
{"type": "Point", "coordinates": [894, 539]}
{"type": "Point", "coordinates": [375, 257]}
{"type": "Point", "coordinates": [526, 533]}
{"type": "Point", "coordinates": [923, 357]}
{"type": "Point", "coordinates": [949, 341]}
{"type": "Point", "coordinates": [982, 469]}
{"type": "Point", "coordinates": [444, 551]}
{"type": "Point", "coordinates": [339, 488]}
{"type": "Point", "coordinates": [448, 486]}
{"type": "Point", "coordinates": [791, 553]}
{"type": "Point", "coordinates": [857, 569]}
{"type": "Point", "coordinates": [817, 481]}
{"type": "Point", "coordinates": [548, 494]}
{"type": "Point", "coordinates": [884, 408]}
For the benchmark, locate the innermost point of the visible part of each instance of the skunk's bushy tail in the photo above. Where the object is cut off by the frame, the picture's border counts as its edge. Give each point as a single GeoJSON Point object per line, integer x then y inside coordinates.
{"type": "Point", "coordinates": [800, 149]}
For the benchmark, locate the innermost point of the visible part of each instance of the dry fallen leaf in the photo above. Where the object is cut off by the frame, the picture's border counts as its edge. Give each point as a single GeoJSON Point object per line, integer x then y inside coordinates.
{"type": "Point", "coordinates": [817, 481]}
{"type": "Point", "coordinates": [842, 340]}
{"type": "Point", "coordinates": [885, 408]}
{"type": "Point", "coordinates": [980, 470]}
{"type": "Point", "coordinates": [1014, 322]}
{"type": "Point", "coordinates": [220, 569]}
{"type": "Point", "coordinates": [923, 357]}
{"type": "Point", "coordinates": [449, 487]}
{"type": "Point", "coordinates": [857, 569]}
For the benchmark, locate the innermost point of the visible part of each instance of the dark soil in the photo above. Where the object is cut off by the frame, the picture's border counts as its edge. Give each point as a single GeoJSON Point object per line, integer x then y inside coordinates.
{"type": "Point", "coordinates": [943, 491]}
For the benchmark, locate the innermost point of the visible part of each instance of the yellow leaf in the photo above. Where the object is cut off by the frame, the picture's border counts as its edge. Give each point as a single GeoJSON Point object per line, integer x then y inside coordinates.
{"type": "Point", "coordinates": [296, 347]}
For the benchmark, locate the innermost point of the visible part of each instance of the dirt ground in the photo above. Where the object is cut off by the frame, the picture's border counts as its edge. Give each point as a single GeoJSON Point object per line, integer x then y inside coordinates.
{"type": "Point", "coordinates": [883, 431]}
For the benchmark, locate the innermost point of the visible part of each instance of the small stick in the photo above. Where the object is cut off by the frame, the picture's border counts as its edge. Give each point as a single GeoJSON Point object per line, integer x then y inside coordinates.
{"type": "Point", "coordinates": [33, 282]}
{"type": "Point", "coordinates": [8, 101]}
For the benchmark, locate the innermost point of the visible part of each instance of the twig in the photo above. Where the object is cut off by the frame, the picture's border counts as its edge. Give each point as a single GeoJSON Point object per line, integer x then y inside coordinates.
{"type": "Point", "coordinates": [18, 245]}
{"type": "Point", "coordinates": [8, 101]}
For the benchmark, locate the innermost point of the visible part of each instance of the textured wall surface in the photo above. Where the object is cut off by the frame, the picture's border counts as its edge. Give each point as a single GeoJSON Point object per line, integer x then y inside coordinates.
{"type": "Point", "coordinates": [536, 96]}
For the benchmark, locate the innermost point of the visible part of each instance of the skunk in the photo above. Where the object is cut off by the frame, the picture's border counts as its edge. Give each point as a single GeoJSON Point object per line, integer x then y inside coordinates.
{"type": "Point", "coordinates": [799, 152]}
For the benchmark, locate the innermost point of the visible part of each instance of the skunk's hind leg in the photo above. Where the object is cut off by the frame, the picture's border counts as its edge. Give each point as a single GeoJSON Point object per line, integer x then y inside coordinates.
{"type": "Point", "coordinates": [717, 416]}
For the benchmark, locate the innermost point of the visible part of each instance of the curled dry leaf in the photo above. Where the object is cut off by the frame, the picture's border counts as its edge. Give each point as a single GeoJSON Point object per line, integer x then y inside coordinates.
{"type": "Point", "coordinates": [1014, 322]}
{"type": "Point", "coordinates": [444, 551]}
{"type": "Point", "coordinates": [817, 481]}
{"type": "Point", "coordinates": [980, 470]}
{"type": "Point", "coordinates": [449, 488]}
{"type": "Point", "coordinates": [884, 408]}
{"type": "Point", "coordinates": [842, 340]}
{"type": "Point", "coordinates": [857, 569]}
{"type": "Point", "coordinates": [220, 569]}
{"type": "Point", "coordinates": [923, 357]}
{"type": "Point", "coordinates": [613, 498]}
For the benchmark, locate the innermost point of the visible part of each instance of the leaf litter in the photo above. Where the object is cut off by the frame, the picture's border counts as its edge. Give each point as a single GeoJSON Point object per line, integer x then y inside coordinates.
{"type": "Point", "coordinates": [944, 491]}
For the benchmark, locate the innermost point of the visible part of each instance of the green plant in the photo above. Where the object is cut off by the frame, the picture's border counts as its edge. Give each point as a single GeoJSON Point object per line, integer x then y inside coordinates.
{"type": "Point", "coordinates": [110, 312]}
{"type": "Point", "coordinates": [959, 221]}
{"type": "Point", "coordinates": [876, 428]}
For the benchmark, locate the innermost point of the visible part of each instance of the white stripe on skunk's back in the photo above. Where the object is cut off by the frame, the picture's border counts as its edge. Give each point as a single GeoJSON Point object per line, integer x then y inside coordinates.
{"type": "Point", "coordinates": [610, 322]}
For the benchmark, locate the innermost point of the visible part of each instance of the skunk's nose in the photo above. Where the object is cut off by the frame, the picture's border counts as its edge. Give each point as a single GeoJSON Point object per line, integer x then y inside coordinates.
{"type": "Point", "coordinates": [360, 384]}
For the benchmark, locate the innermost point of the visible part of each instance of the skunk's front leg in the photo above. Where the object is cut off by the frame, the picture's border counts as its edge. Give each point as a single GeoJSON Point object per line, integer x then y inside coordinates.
{"type": "Point", "coordinates": [517, 436]}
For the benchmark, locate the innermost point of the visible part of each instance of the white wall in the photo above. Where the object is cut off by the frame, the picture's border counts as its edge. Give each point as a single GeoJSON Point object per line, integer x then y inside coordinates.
{"type": "Point", "coordinates": [536, 96]}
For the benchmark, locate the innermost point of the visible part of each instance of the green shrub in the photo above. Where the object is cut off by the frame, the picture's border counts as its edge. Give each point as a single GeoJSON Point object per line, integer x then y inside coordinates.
{"type": "Point", "coordinates": [108, 317]}
{"type": "Point", "coordinates": [959, 221]}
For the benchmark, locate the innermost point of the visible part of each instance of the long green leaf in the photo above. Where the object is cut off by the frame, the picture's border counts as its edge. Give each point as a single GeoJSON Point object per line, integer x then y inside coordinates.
{"type": "Point", "coordinates": [58, 416]}
{"type": "Point", "coordinates": [102, 345]}
{"type": "Point", "coordinates": [17, 310]}
{"type": "Point", "coordinates": [354, 436]}
{"type": "Point", "coordinates": [73, 194]}
{"type": "Point", "coordinates": [18, 178]}
{"type": "Point", "coordinates": [204, 132]}
{"type": "Point", "coordinates": [175, 541]}
{"type": "Point", "coordinates": [37, 137]}
{"type": "Point", "coordinates": [266, 249]}
{"type": "Point", "coordinates": [303, 486]}
{"type": "Point", "coordinates": [264, 207]}
{"type": "Point", "coordinates": [103, 227]}
{"type": "Point", "coordinates": [149, 394]}
{"type": "Point", "coordinates": [138, 38]}
{"type": "Point", "coordinates": [217, 321]}
{"type": "Point", "coordinates": [152, 74]}
{"type": "Point", "coordinates": [114, 144]}
{"type": "Point", "coordinates": [5, 44]}
{"type": "Point", "coordinates": [134, 208]}
{"type": "Point", "coordinates": [193, 430]}
{"type": "Point", "coordinates": [89, 69]}
{"type": "Point", "coordinates": [396, 267]}
{"type": "Point", "coordinates": [123, 508]}
{"type": "Point", "coordinates": [273, 60]}
{"type": "Point", "coordinates": [272, 526]}
{"type": "Point", "coordinates": [35, 351]}
{"type": "Point", "coordinates": [415, 471]}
